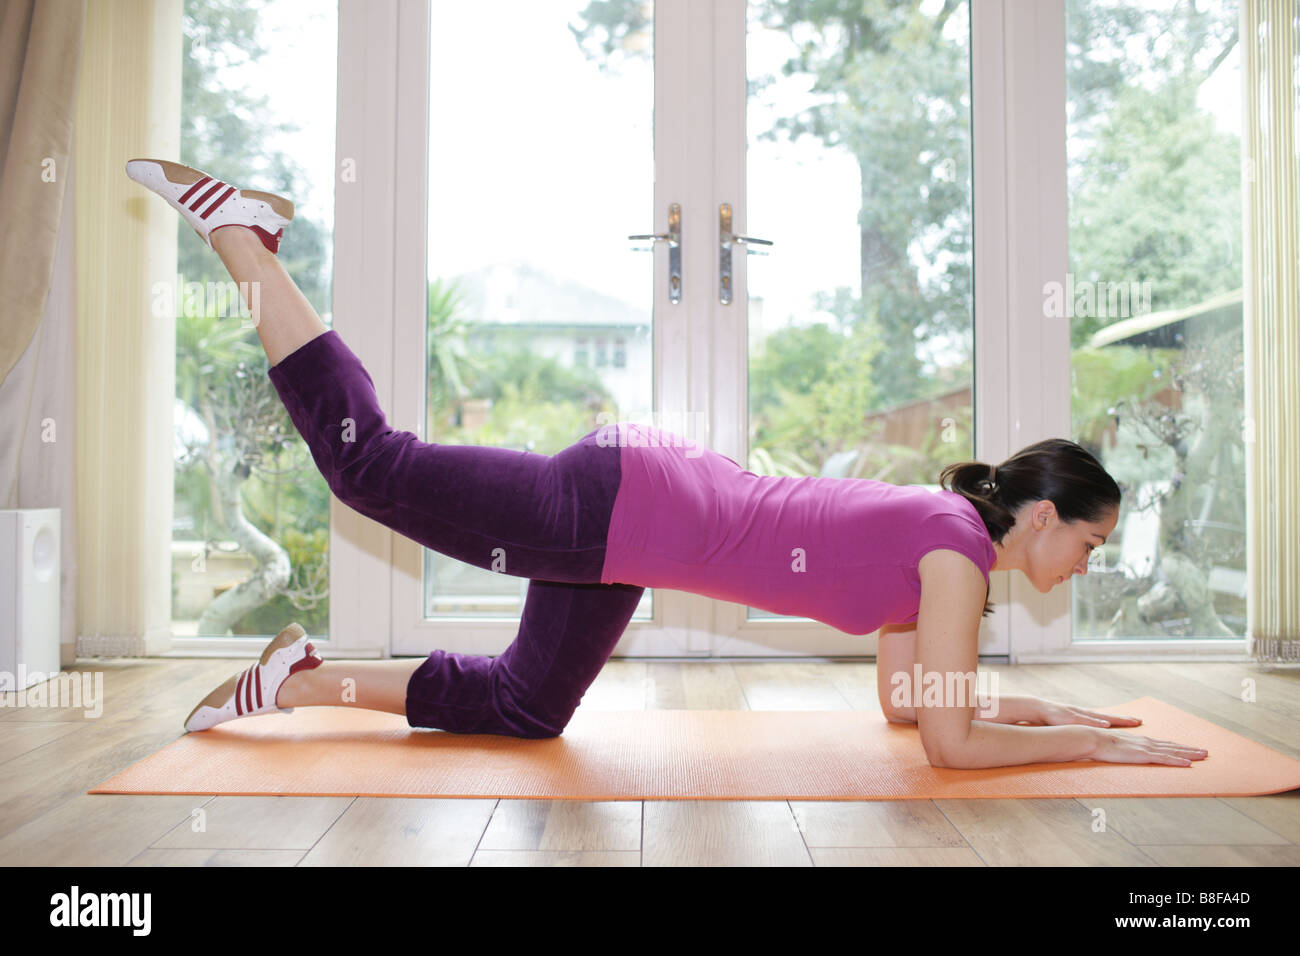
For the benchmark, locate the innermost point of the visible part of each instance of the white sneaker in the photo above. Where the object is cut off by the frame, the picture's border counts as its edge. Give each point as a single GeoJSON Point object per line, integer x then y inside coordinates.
{"type": "Point", "coordinates": [208, 204]}
{"type": "Point", "coordinates": [254, 690]}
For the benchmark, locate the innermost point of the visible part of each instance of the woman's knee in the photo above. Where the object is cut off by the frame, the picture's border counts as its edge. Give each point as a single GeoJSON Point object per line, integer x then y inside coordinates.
{"type": "Point", "coordinates": [525, 712]}
{"type": "Point", "coordinates": [363, 468]}
{"type": "Point", "coordinates": [531, 723]}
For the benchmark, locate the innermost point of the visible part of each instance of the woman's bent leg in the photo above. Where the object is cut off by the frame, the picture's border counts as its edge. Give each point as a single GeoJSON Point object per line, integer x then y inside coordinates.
{"type": "Point", "coordinates": [566, 634]}
{"type": "Point", "coordinates": [517, 512]}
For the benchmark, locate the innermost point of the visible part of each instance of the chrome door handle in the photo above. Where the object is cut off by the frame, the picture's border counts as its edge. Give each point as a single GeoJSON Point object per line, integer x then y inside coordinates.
{"type": "Point", "coordinates": [674, 239]}
{"type": "Point", "coordinates": [726, 239]}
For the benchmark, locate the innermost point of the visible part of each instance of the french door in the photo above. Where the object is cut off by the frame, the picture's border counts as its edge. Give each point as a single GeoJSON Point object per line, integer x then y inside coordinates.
{"type": "Point", "coordinates": [678, 122]}
{"type": "Point", "coordinates": [869, 142]}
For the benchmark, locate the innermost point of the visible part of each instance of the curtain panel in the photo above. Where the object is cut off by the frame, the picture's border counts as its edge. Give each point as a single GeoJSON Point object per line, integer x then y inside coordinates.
{"type": "Point", "coordinates": [40, 57]}
{"type": "Point", "coordinates": [1270, 33]}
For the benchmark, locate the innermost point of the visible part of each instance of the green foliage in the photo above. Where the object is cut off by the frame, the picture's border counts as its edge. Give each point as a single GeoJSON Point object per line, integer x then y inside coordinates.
{"type": "Point", "coordinates": [892, 88]}
{"type": "Point", "coordinates": [511, 364]}
{"type": "Point", "coordinates": [1155, 188]}
{"type": "Point", "coordinates": [225, 130]}
{"type": "Point", "coordinates": [1158, 201]}
{"type": "Point", "coordinates": [536, 421]}
{"type": "Point", "coordinates": [278, 612]}
{"type": "Point", "coordinates": [206, 345]}
{"type": "Point", "coordinates": [1113, 45]}
{"type": "Point", "coordinates": [537, 403]}
{"type": "Point", "coordinates": [219, 362]}
{"type": "Point", "coordinates": [287, 494]}
{"type": "Point", "coordinates": [306, 551]}
{"type": "Point", "coordinates": [448, 354]}
{"type": "Point", "coordinates": [790, 361]}
{"type": "Point", "coordinates": [808, 388]}
{"type": "Point", "coordinates": [1099, 376]}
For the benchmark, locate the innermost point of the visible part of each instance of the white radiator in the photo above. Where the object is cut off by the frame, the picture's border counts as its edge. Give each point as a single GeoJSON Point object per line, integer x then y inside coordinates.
{"type": "Point", "coordinates": [29, 596]}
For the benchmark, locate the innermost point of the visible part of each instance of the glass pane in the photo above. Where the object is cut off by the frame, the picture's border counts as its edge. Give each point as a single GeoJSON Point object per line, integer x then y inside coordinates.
{"type": "Point", "coordinates": [251, 532]}
{"type": "Point", "coordinates": [1154, 299]}
{"type": "Point", "coordinates": [861, 330]}
{"type": "Point", "coordinates": [541, 164]}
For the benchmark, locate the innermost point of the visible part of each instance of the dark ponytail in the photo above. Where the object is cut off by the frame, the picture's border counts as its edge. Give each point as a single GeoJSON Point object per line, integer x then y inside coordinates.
{"type": "Point", "coordinates": [1054, 469]}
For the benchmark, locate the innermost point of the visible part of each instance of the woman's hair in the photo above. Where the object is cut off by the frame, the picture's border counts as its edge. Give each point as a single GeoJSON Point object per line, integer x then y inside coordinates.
{"type": "Point", "coordinates": [1054, 469]}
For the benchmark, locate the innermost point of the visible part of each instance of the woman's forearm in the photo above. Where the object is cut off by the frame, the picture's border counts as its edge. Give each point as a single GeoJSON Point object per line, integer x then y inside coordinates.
{"type": "Point", "coordinates": [1005, 709]}
{"type": "Point", "coordinates": [1009, 709]}
{"type": "Point", "coordinates": [1008, 745]}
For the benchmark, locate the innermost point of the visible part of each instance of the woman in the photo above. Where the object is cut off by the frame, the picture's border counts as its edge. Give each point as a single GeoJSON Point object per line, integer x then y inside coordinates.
{"type": "Point", "coordinates": [628, 507]}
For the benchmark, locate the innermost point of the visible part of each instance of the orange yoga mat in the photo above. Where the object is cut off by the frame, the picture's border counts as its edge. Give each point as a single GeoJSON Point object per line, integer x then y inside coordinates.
{"type": "Point", "coordinates": [670, 755]}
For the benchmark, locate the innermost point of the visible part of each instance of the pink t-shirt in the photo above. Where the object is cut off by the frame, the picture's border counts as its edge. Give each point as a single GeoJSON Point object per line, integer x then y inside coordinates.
{"type": "Point", "coordinates": [843, 551]}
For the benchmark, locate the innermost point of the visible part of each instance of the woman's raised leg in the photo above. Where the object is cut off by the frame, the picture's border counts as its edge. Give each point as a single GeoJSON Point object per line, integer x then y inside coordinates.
{"type": "Point", "coordinates": [517, 512]}
{"type": "Point", "coordinates": [284, 319]}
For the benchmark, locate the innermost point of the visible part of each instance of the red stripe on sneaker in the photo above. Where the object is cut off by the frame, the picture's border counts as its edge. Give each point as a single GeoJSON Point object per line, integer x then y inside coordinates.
{"type": "Point", "coordinates": [211, 209]}
{"type": "Point", "coordinates": [239, 691]}
{"type": "Point", "coordinates": [193, 189]}
{"type": "Point", "coordinates": [248, 688]}
{"type": "Point", "coordinates": [205, 197]}
{"type": "Point", "coordinates": [257, 682]}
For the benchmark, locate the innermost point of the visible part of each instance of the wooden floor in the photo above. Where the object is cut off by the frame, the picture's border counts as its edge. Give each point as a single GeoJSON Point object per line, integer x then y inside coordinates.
{"type": "Point", "coordinates": [49, 758]}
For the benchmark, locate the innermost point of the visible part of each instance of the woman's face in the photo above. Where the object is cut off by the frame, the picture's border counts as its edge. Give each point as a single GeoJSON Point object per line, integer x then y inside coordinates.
{"type": "Point", "coordinates": [1057, 550]}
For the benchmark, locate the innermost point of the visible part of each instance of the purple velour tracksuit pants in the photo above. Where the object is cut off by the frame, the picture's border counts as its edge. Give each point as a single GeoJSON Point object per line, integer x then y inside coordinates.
{"type": "Point", "coordinates": [549, 515]}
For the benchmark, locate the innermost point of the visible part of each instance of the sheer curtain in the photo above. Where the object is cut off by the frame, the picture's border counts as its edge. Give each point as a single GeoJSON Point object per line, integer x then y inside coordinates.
{"type": "Point", "coordinates": [1270, 32]}
{"type": "Point", "coordinates": [40, 55]}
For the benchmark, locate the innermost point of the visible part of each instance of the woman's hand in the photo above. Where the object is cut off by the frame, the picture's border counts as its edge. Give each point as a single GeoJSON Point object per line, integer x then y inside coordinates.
{"type": "Point", "coordinates": [1049, 712]}
{"type": "Point", "coordinates": [1116, 746]}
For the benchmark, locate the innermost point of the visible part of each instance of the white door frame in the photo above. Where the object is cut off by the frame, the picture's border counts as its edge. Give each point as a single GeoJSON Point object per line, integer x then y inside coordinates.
{"type": "Point", "coordinates": [383, 53]}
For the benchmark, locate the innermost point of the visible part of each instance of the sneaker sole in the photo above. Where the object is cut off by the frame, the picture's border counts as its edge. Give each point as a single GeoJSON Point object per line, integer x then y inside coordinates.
{"type": "Point", "coordinates": [188, 176]}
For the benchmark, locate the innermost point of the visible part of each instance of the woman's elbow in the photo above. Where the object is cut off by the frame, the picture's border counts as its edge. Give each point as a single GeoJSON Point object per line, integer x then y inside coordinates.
{"type": "Point", "coordinates": [943, 758]}
{"type": "Point", "coordinates": [943, 762]}
{"type": "Point", "coordinates": [899, 715]}
{"type": "Point", "coordinates": [939, 763]}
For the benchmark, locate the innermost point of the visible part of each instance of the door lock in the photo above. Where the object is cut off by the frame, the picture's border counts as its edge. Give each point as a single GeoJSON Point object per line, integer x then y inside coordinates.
{"type": "Point", "coordinates": [674, 239]}
{"type": "Point", "coordinates": [727, 239]}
